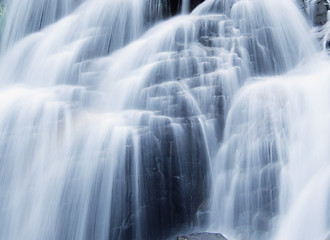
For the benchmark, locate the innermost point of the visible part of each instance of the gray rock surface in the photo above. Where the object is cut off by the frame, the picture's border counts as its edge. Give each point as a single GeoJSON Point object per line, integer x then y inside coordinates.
{"type": "Point", "coordinates": [203, 236]}
{"type": "Point", "coordinates": [320, 12]}
{"type": "Point", "coordinates": [316, 11]}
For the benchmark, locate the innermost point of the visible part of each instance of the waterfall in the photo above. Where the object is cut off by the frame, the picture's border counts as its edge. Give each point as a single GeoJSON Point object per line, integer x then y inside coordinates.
{"type": "Point", "coordinates": [117, 123]}
{"type": "Point", "coordinates": [271, 173]}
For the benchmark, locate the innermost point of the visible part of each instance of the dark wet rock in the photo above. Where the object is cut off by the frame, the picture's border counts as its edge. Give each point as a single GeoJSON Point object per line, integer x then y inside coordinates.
{"type": "Point", "coordinates": [173, 7]}
{"type": "Point", "coordinates": [173, 173]}
{"type": "Point", "coordinates": [327, 45]}
{"type": "Point", "coordinates": [203, 236]}
{"type": "Point", "coordinates": [195, 3]}
{"type": "Point", "coordinates": [164, 9]}
{"type": "Point", "coordinates": [315, 10]}
{"type": "Point", "coordinates": [320, 12]}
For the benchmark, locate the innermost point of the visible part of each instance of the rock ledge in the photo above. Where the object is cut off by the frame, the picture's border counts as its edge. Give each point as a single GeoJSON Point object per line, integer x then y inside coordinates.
{"type": "Point", "coordinates": [203, 236]}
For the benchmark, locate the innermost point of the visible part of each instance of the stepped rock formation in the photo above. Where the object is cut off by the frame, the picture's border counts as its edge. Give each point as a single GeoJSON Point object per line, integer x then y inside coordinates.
{"type": "Point", "coordinates": [139, 119]}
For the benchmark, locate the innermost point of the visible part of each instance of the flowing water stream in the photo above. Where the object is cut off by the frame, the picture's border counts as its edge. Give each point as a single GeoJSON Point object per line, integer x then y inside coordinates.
{"type": "Point", "coordinates": [116, 123]}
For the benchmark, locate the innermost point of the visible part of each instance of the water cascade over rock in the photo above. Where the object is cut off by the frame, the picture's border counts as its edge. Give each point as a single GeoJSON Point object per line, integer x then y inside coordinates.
{"type": "Point", "coordinates": [118, 121]}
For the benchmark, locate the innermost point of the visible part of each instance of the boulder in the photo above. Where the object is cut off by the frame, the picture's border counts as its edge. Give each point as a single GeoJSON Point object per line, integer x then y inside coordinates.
{"type": "Point", "coordinates": [320, 12]}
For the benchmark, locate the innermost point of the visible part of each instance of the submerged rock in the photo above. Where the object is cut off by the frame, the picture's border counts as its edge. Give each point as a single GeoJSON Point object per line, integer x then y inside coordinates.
{"type": "Point", "coordinates": [203, 236]}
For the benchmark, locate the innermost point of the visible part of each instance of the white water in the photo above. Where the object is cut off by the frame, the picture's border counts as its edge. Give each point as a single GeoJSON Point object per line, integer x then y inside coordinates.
{"type": "Point", "coordinates": [185, 6]}
{"type": "Point", "coordinates": [274, 163]}
{"type": "Point", "coordinates": [109, 130]}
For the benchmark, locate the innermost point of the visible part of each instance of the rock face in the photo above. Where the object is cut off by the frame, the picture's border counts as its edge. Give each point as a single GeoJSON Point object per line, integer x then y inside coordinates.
{"type": "Point", "coordinates": [320, 12]}
{"type": "Point", "coordinates": [203, 236]}
{"type": "Point", "coordinates": [164, 9]}
{"type": "Point", "coordinates": [317, 10]}
{"type": "Point", "coordinates": [174, 6]}
{"type": "Point", "coordinates": [195, 3]}
{"type": "Point", "coordinates": [327, 44]}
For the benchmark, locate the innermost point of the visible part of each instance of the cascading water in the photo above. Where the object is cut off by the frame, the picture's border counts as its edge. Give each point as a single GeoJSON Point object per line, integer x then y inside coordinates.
{"type": "Point", "coordinates": [116, 124]}
{"type": "Point", "coordinates": [275, 153]}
